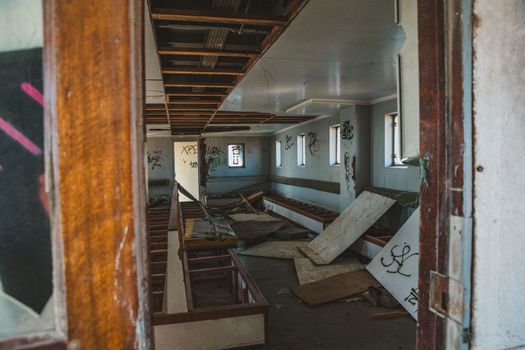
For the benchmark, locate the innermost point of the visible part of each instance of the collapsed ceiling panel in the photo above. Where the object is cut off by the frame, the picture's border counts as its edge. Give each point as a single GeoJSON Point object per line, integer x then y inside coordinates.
{"type": "Point", "coordinates": [205, 49]}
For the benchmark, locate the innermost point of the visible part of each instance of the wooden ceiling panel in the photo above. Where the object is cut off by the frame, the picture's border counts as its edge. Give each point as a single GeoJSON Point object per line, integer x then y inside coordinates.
{"type": "Point", "coordinates": [206, 47]}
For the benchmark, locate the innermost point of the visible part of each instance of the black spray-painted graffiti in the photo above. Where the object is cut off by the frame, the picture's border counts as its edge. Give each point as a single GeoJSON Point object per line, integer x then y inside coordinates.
{"type": "Point", "coordinates": [347, 132]}
{"type": "Point", "coordinates": [154, 159]}
{"type": "Point", "coordinates": [398, 259]}
{"type": "Point", "coordinates": [288, 143]}
{"type": "Point", "coordinates": [189, 150]}
{"type": "Point", "coordinates": [215, 158]}
{"type": "Point", "coordinates": [412, 296]}
{"type": "Point", "coordinates": [194, 165]}
{"type": "Point", "coordinates": [347, 171]}
{"type": "Point", "coordinates": [313, 143]}
{"type": "Point", "coordinates": [213, 151]}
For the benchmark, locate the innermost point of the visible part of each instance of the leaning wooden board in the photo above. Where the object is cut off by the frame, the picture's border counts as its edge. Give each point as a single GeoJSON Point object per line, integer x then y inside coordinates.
{"type": "Point", "coordinates": [335, 288]}
{"type": "Point", "coordinates": [397, 265]}
{"type": "Point", "coordinates": [353, 222]}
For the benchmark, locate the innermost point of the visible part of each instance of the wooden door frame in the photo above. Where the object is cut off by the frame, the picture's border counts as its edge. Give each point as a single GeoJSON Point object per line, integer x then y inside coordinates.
{"type": "Point", "coordinates": [94, 93]}
{"type": "Point", "coordinates": [446, 147]}
{"type": "Point", "coordinates": [93, 84]}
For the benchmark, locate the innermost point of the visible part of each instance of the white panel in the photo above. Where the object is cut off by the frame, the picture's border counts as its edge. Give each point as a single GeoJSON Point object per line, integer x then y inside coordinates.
{"type": "Point", "coordinates": [224, 333]}
{"type": "Point", "coordinates": [396, 266]}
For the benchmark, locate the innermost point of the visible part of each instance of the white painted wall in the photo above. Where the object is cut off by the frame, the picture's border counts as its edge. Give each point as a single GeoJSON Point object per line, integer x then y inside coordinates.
{"type": "Point", "coordinates": [409, 84]}
{"type": "Point", "coordinates": [186, 168]}
{"type": "Point", "coordinates": [499, 120]}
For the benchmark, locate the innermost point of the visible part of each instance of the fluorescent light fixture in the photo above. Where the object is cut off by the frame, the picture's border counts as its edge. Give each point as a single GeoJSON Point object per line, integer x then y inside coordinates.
{"type": "Point", "coordinates": [327, 101]}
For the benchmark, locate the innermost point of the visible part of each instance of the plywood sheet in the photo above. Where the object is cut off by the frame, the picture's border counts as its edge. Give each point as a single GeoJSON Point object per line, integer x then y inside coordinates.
{"type": "Point", "coordinates": [335, 287]}
{"type": "Point", "coordinates": [308, 272]}
{"type": "Point", "coordinates": [364, 211]}
{"type": "Point", "coordinates": [276, 249]}
{"type": "Point", "coordinates": [396, 266]}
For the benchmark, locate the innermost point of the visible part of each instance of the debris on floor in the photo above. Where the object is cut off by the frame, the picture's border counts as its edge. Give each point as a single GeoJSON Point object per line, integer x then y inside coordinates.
{"type": "Point", "coordinates": [291, 231]}
{"type": "Point", "coordinates": [380, 297]}
{"type": "Point", "coordinates": [353, 222]}
{"type": "Point", "coordinates": [308, 272]}
{"type": "Point", "coordinates": [335, 287]}
{"type": "Point", "coordinates": [276, 249]}
{"type": "Point", "coordinates": [256, 230]}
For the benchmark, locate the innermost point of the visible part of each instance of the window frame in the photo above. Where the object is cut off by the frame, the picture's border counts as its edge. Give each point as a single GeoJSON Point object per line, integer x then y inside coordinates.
{"type": "Point", "coordinates": [301, 150]}
{"type": "Point", "coordinates": [243, 156]}
{"type": "Point", "coordinates": [335, 145]}
{"type": "Point", "coordinates": [278, 154]}
{"type": "Point", "coordinates": [393, 140]}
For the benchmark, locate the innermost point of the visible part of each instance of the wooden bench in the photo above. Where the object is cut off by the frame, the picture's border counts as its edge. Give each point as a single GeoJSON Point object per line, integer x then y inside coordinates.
{"type": "Point", "coordinates": [312, 217]}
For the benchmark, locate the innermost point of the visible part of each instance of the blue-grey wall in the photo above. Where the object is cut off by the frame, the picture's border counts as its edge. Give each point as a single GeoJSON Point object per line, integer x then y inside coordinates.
{"type": "Point", "coordinates": [159, 163]}
{"type": "Point", "coordinates": [224, 179]}
{"type": "Point", "coordinates": [318, 159]}
{"type": "Point", "coordinates": [317, 163]}
{"type": "Point", "coordinates": [404, 178]}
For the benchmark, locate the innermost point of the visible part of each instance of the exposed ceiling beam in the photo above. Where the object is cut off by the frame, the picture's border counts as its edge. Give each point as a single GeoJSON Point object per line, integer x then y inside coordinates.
{"type": "Point", "coordinates": [202, 71]}
{"type": "Point", "coordinates": [215, 17]}
{"type": "Point", "coordinates": [200, 94]}
{"type": "Point", "coordinates": [195, 84]}
{"type": "Point", "coordinates": [208, 52]}
{"type": "Point", "coordinates": [194, 102]}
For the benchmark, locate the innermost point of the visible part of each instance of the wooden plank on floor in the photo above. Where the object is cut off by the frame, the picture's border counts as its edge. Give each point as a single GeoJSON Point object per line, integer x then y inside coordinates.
{"type": "Point", "coordinates": [364, 211]}
{"type": "Point", "coordinates": [308, 272]}
{"type": "Point", "coordinates": [335, 287]}
{"type": "Point", "coordinates": [396, 266]}
{"type": "Point", "coordinates": [276, 249]}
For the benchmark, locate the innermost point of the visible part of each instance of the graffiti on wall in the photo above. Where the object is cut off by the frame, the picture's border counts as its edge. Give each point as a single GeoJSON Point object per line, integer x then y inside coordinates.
{"type": "Point", "coordinates": [288, 143]}
{"type": "Point", "coordinates": [347, 131]}
{"type": "Point", "coordinates": [189, 150]}
{"type": "Point", "coordinates": [314, 144]}
{"type": "Point", "coordinates": [215, 158]}
{"type": "Point", "coordinates": [155, 159]}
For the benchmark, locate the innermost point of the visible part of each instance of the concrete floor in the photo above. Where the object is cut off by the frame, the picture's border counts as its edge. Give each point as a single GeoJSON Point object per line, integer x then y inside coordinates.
{"type": "Point", "coordinates": [333, 326]}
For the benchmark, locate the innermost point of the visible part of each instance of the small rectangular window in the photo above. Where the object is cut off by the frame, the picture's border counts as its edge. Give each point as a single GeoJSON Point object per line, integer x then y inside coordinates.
{"type": "Point", "coordinates": [236, 156]}
{"type": "Point", "coordinates": [392, 140]}
{"type": "Point", "coordinates": [278, 154]}
{"type": "Point", "coordinates": [335, 145]}
{"type": "Point", "coordinates": [301, 150]}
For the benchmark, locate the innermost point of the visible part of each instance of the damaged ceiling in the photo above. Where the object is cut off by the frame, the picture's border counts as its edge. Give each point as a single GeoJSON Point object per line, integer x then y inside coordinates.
{"type": "Point", "coordinates": [332, 51]}
{"type": "Point", "coordinates": [205, 48]}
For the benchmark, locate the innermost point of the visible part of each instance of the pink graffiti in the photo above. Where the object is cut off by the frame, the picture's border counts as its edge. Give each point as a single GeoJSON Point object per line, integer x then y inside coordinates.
{"type": "Point", "coordinates": [19, 137]}
{"type": "Point", "coordinates": [32, 92]}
